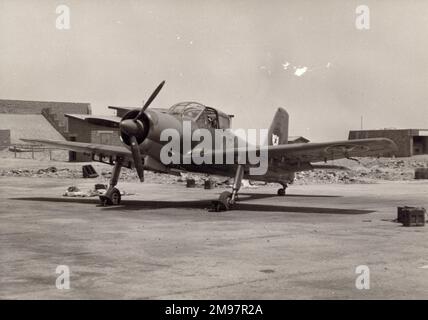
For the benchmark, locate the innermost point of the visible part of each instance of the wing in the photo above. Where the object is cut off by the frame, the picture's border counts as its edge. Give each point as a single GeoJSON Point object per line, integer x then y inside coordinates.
{"type": "Point", "coordinates": [105, 121]}
{"type": "Point", "coordinates": [316, 152]}
{"type": "Point", "coordinates": [102, 151]}
{"type": "Point", "coordinates": [305, 152]}
{"type": "Point", "coordinates": [91, 148]}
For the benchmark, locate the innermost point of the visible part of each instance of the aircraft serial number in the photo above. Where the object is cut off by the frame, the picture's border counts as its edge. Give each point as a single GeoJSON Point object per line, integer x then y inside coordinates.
{"type": "Point", "coordinates": [235, 309]}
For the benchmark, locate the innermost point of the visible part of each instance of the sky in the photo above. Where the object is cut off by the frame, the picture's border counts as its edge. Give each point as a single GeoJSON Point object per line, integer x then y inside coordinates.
{"type": "Point", "coordinates": [246, 58]}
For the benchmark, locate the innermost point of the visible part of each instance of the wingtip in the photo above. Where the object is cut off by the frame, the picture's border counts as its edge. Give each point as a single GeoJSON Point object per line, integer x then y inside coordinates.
{"type": "Point", "coordinates": [392, 144]}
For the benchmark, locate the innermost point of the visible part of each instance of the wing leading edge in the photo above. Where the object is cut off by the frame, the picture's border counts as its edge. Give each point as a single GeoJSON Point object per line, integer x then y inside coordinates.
{"type": "Point", "coordinates": [91, 148]}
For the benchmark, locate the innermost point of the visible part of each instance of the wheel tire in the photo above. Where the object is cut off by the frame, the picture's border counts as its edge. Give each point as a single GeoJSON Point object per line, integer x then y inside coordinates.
{"type": "Point", "coordinates": [115, 197]}
{"type": "Point", "coordinates": [223, 202]}
{"type": "Point", "coordinates": [113, 200]}
{"type": "Point", "coordinates": [281, 192]}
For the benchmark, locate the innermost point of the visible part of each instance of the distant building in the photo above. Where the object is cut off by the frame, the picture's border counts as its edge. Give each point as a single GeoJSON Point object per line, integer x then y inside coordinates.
{"type": "Point", "coordinates": [30, 126]}
{"type": "Point", "coordinates": [53, 112]}
{"type": "Point", "coordinates": [409, 141]}
{"type": "Point", "coordinates": [82, 131]}
{"type": "Point", "coordinates": [4, 138]}
{"type": "Point", "coordinates": [297, 139]}
{"type": "Point", "coordinates": [37, 119]}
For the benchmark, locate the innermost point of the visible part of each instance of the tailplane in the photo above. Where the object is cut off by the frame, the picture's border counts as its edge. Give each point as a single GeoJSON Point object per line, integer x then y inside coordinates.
{"type": "Point", "coordinates": [278, 130]}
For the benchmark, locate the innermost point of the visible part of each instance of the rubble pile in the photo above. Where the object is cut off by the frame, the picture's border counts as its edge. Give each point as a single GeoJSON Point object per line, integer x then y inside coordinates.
{"type": "Point", "coordinates": [74, 173]}
{"type": "Point", "coordinates": [365, 170]}
{"type": "Point", "coordinates": [51, 172]}
{"type": "Point", "coordinates": [328, 176]}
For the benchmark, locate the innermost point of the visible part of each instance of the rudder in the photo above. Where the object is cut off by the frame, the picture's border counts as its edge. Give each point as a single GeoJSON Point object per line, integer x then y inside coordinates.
{"type": "Point", "coordinates": [278, 130]}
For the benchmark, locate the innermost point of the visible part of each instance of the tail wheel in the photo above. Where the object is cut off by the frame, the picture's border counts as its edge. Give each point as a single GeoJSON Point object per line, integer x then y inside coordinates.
{"type": "Point", "coordinates": [281, 192]}
{"type": "Point", "coordinates": [223, 202]}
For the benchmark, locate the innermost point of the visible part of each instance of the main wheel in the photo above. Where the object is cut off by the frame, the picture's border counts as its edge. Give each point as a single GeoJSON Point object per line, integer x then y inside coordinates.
{"type": "Point", "coordinates": [223, 202]}
{"type": "Point", "coordinates": [114, 198]}
{"type": "Point", "coordinates": [281, 192]}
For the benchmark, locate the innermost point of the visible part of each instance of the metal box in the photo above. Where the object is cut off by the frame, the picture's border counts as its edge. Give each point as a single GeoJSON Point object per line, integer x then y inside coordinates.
{"type": "Point", "coordinates": [190, 183]}
{"type": "Point", "coordinates": [421, 173]}
{"type": "Point", "coordinates": [411, 216]}
{"type": "Point", "coordinates": [209, 184]}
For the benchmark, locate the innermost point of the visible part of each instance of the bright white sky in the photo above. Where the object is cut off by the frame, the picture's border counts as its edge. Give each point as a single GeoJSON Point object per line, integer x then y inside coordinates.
{"type": "Point", "coordinates": [244, 57]}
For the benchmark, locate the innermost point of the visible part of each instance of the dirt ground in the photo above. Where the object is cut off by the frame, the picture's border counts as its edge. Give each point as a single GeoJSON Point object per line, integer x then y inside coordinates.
{"type": "Point", "coordinates": [163, 242]}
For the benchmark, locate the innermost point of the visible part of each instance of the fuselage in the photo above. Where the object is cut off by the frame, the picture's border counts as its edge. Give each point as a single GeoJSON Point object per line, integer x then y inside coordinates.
{"type": "Point", "coordinates": [188, 120]}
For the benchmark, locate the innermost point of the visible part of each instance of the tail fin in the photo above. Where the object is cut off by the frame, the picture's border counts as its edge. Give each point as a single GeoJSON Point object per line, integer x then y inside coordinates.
{"type": "Point", "coordinates": [278, 130]}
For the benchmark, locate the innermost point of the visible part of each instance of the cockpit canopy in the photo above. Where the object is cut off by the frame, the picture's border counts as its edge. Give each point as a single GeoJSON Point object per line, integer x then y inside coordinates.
{"type": "Point", "coordinates": [204, 116]}
{"type": "Point", "coordinates": [190, 110]}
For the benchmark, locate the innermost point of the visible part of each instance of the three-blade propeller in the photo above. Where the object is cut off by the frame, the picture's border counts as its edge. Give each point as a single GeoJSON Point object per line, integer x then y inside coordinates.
{"type": "Point", "coordinates": [134, 128]}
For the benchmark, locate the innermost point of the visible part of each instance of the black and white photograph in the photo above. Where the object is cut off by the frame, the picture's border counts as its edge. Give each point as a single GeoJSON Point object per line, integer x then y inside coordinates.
{"type": "Point", "coordinates": [213, 150]}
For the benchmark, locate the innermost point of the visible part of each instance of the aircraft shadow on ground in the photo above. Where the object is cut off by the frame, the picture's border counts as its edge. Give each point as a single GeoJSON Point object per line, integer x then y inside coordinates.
{"type": "Point", "coordinates": [241, 205]}
{"type": "Point", "coordinates": [270, 195]}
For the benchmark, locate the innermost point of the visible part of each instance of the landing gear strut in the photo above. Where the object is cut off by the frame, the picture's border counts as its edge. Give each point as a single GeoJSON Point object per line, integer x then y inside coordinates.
{"type": "Point", "coordinates": [281, 191]}
{"type": "Point", "coordinates": [227, 199]}
{"type": "Point", "coordinates": [112, 195]}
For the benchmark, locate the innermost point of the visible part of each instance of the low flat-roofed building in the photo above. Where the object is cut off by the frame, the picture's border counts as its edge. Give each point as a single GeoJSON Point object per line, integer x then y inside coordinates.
{"type": "Point", "coordinates": [409, 141]}
{"type": "Point", "coordinates": [36, 119]}
{"type": "Point", "coordinates": [82, 131]}
{"type": "Point", "coordinates": [29, 126]}
{"type": "Point", "coordinates": [297, 139]}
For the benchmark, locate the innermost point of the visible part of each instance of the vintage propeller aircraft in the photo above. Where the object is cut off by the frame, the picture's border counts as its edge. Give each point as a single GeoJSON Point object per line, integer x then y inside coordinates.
{"type": "Point", "coordinates": [140, 131]}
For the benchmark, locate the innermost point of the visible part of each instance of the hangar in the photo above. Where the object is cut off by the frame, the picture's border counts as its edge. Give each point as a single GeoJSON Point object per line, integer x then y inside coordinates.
{"type": "Point", "coordinates": [409, 141]}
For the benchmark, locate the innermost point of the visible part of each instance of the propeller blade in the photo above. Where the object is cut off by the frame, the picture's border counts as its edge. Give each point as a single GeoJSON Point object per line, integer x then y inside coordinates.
{"type": "Point", "coordinates": [136, 155]}
{"type": "Point", "coordinates": [149, 101]}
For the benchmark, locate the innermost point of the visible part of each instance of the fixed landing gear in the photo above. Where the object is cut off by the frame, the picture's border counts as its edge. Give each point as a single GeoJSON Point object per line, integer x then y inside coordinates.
{"type": "Point", "coordinates": [113, 198]}
{"type": "Point", "coordinates": [281, 192]}
{"type": "Point", "coordinates": [228, 199]}
{"type": "Point", "coordinates": [112, 195]}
